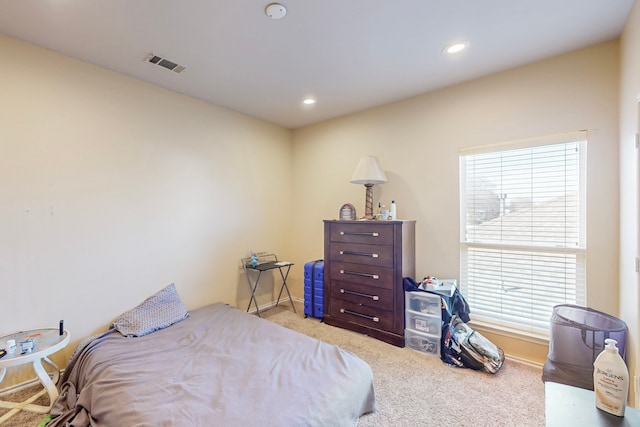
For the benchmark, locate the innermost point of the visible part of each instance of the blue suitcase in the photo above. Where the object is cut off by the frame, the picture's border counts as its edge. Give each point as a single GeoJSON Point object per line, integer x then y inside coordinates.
{"type": "Point", "coordinates": [314, 289]}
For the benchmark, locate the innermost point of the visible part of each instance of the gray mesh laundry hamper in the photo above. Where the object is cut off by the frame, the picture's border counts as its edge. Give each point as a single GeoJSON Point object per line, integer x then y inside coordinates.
{"type": "Point", "coordinates": [576, 338]}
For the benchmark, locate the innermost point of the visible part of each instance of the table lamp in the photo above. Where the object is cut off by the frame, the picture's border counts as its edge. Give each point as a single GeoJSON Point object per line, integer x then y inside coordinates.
{"type": "Point", "coordinates": [369, 172]}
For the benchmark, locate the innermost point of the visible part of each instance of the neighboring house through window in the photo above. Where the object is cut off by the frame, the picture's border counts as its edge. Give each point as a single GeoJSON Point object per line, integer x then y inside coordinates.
{"type": "Point", "coordinates": [523, 229]}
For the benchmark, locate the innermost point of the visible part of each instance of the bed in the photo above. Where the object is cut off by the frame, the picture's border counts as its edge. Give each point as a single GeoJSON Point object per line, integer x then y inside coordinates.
{"type": "Point", "coordinates": [216, 365]}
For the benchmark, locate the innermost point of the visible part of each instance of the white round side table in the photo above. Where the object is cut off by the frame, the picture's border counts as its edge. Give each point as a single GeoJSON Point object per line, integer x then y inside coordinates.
{"type": "Point", "coordinates": [46, 342]}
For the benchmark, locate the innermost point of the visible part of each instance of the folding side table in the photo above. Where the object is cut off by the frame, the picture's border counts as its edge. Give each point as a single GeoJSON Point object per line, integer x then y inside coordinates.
{"type": "Point", "coordinates": [267, 262]}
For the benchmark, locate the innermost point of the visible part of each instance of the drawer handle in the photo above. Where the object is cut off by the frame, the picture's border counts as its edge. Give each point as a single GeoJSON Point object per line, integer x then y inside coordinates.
{"type": "Point", "coordinates": [353, 313]}
{"type": "Point", "coordinates": [373, 297]}
{"type": "Point", "coordinates": [359, 254]}
{"type": "Point", "coordinates": [355, 273]}
{"type": "Point", "coordinates": [356, 233]}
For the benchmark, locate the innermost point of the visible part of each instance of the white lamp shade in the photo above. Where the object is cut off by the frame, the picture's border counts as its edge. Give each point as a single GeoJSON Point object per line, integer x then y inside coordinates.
{"type": "Point", "coordinates": [369, 171]}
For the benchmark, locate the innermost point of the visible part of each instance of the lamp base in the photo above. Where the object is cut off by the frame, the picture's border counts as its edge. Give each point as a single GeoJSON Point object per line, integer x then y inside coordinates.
{"type": "Point", "coordinates": [368, 201]}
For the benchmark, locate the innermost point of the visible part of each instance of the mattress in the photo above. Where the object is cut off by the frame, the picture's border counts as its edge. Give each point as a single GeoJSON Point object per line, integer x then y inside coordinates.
{"type": "Point", "coordinates": [219, 366]}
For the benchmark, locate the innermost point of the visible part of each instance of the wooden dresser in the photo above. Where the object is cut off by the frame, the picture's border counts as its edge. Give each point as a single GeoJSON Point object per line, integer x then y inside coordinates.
{"type": "Point", "coordinates": [364, 263]}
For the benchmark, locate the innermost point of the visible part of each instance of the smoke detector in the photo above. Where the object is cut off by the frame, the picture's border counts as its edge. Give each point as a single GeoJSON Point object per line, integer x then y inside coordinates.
{"type": "Point", "coordinates": [163, 62]}
{"type": "Point", "coordinates": [275, 11]}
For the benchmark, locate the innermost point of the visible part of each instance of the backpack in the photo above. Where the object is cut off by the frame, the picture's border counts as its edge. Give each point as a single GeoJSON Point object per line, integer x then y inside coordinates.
{"type": "Point", "coordinates": [464, 347]}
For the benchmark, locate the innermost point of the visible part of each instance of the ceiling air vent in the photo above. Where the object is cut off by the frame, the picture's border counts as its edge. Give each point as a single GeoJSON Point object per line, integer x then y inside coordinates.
{"type": "Point", "coordinates": [163, 62]}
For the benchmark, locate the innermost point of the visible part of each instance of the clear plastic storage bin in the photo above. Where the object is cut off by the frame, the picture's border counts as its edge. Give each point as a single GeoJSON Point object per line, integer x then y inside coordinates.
{"type": "Point", "coordinates": [423, 302]}
{"type": "Point", "coordinates": [424, 343]}
{"type": "Point", "coordinates": [423, 322]}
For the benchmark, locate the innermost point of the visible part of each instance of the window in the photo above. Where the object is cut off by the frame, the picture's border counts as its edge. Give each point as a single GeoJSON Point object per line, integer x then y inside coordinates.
{"type": "Point", "coordinates": [523, 233]}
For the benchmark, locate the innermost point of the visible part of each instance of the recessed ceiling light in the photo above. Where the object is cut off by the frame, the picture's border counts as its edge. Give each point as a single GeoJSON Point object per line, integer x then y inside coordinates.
{"type": "Point", "coordinates": [309, 101]}
{"type": "Point", "coordinates": [456, 47]}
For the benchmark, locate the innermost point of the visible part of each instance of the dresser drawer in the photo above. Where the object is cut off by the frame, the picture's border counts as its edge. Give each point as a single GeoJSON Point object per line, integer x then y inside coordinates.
{"type": "Point", "coordinates": [363, 294]}
{"type": "Point", "coordinates": [361, 233]}
{"type": "Point", "coordinates": [371, 275]}
{"type": "Point", "coordinates": [346, 311]}
{"type": "Point", "coordinates": [358, 253]}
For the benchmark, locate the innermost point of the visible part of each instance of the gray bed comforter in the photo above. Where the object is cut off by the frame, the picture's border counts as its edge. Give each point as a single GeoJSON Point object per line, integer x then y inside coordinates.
{"type": "Point", "coordinates": [218, 367]}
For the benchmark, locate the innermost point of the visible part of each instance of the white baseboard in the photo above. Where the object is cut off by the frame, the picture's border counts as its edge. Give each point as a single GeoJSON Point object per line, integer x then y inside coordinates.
{"type": "Point", "coordinates": [524, 361]}
{"type": "Point", "coordinates": [272, 304]}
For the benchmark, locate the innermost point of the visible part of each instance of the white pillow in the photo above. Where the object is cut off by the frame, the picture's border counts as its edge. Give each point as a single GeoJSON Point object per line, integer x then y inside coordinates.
{"type": "Point", "coordinates": [156, 312]}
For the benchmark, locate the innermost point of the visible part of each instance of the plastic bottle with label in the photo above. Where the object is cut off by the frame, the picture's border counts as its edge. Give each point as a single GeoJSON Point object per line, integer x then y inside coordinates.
{"type": "Point", "coordinates": [393, 211]}
{"type": "Point", "coordinates": [611, 380]}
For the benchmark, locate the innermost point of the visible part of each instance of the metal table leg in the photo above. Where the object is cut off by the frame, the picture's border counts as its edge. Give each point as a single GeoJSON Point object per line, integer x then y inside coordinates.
{"type": "Point", "coordinates": [253, 287]}
{"type": "Point", "coordinates": [284, 286]}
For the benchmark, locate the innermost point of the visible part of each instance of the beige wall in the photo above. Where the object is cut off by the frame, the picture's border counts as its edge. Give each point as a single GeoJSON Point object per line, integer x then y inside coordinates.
{"type": "Point", "coordinates": [629, 117]}
{"type": "Point", "coordinates": [417, 143]}
{"type": "Point", "coordinates": [111, 189]}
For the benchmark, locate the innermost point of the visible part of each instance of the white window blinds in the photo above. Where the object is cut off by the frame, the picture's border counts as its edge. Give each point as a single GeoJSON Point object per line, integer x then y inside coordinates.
{"type": "Point", "coordinates": [523, 229]}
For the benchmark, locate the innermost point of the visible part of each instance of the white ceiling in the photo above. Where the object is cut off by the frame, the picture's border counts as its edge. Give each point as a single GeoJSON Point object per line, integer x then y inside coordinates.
{"type": "Point", "coordinates": [348, 54]}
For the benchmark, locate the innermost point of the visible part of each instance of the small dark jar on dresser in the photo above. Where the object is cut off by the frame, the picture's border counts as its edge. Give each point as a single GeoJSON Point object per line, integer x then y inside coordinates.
{"type": "Point", "coordinates": [364, 264]}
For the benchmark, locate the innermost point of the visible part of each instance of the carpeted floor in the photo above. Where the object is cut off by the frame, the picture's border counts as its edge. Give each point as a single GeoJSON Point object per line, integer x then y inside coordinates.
{"type": "Point", "coordinates": [23, 418]}
{"type": "Point", "coordinates": [414, 389]}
